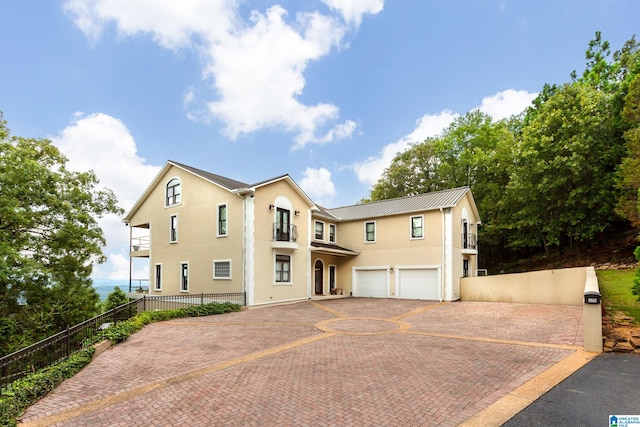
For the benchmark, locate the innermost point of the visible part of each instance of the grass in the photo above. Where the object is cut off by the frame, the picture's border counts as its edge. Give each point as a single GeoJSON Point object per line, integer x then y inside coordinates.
{"type": "Point", "coordinates": [615, 287]}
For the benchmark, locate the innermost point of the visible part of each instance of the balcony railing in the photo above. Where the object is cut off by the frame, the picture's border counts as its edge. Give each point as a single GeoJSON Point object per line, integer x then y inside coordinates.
{"type": "Point", "coordinates": [469, 241]}
{"type": "Point", "coordinates": [285, 232]}
{"type": "Point", "coordinates": [140, 243]}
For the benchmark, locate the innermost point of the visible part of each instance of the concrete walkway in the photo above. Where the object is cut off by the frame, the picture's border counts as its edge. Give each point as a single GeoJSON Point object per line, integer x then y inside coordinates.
{"type": "Point", "coordinates": [346, 362]}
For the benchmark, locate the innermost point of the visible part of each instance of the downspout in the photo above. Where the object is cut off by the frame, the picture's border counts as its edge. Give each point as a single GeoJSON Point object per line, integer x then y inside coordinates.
{"type": "Point", "coordinates": [130, 259]}
{"type": "Point", "coordinates": [244, 247]}
{"type": "Point", "coordinates": [242, 193]}
{"type": "Point", "coordinates": [442, 261]}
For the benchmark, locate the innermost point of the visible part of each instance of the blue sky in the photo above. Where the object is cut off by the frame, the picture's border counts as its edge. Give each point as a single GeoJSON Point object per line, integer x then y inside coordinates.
{"type": "Point", "coordinates": [326, 91]}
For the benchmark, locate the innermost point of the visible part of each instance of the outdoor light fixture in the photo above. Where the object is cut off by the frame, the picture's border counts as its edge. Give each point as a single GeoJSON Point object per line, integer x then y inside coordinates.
{"type": "Point", "coordinates": [296, 213]}
{"type": "Point", "coordinates": [271, 207]}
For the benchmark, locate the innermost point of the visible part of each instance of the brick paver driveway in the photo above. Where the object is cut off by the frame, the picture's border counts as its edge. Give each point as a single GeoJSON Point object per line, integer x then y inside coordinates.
{"type": "Point", "coordinates": [333, 362]}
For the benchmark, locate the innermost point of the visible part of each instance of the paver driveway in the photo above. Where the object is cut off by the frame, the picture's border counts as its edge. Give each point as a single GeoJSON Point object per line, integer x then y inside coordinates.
{"type": "Point", "coordinates": [333, 362]}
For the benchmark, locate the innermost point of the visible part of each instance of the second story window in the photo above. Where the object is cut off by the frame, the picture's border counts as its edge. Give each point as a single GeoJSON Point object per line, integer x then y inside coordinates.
{"type": "Point", "coordinates": [370, 232]}
{"type": "Point", "coordinates": [319, 227]}
{"type": "Point", "coordinates": [222, 220]}
{"type": "Point", "coordinates": [173, 228]}
{"type": "Point", "coordinates": [332, 233]}
{"type": "Point", "coordinates": [173, 192]}
{"type": "Point", "coordinates": [417, 228]}
{"type": "Point", "coordinates": [283, 225]}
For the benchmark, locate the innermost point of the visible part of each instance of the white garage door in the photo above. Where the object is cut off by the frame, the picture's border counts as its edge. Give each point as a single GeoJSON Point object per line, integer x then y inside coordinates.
{"type": "Point", "coordinates": [418, 283]}
{"type": "Point", "coordinates": [371, 283]}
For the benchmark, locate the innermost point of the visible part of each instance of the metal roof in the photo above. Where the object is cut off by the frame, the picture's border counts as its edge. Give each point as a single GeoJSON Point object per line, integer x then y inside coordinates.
{"type": "Point", "coordinates": [417, 203]}
{"type": "Point", "coordinates": [228, 183]}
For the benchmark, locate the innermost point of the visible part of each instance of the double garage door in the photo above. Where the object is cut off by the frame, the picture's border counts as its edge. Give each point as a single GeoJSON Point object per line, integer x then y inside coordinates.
{"type": "Point", "coordinates": [413, 283]}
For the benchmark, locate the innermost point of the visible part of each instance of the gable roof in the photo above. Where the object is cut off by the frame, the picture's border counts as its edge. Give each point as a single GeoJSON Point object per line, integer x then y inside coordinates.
{"type": "Point", "coordinates": [228, 183]}
{"type": "Point", "coordinates": [418, 203]}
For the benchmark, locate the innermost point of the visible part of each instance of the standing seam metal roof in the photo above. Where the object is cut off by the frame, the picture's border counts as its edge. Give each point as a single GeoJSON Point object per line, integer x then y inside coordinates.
{"type": "Point", "coordinates": [417, 203]}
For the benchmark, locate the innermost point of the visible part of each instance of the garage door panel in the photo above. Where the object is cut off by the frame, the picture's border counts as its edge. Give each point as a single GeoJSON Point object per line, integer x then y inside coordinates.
{"type": "Point", "coordinates": [371, 283]}
{"type": "Point", "coordinates": [419, 283]}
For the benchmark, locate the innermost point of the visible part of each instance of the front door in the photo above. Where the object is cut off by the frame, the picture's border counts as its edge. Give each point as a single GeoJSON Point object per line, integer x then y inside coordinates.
{"type": "Point", "coordinates": [319, 270]}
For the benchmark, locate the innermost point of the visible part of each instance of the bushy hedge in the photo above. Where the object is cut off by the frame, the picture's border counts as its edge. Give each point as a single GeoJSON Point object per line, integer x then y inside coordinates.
{"type": "Point", "coordinates": [28, 390]}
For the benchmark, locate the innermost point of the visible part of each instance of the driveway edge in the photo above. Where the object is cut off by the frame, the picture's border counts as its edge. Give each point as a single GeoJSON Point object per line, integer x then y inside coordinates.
{"type": "Point", "coordinates": [505, 408]}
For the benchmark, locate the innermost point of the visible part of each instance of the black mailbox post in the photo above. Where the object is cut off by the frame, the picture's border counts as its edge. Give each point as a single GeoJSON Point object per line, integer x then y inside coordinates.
{"type": "Point", "coordinates": [592, 297]}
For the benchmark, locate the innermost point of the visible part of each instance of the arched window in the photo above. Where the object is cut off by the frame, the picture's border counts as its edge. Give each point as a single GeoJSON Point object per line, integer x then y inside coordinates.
{"type": "Point", "coordinates": [173, 192]}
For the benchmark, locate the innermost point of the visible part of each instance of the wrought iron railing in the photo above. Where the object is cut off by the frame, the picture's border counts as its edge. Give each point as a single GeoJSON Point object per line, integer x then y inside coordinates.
{"type": "Point", "coordinates": [284, 232]}
{"type": "Point", "coordinates": [61, 345]}
{"type": "Point", "coordinates": [469, 241]}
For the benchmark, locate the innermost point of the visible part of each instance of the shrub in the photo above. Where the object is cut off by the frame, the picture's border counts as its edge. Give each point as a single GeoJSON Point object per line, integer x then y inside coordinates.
{"type": "Point", "coordinates": [28, 390]}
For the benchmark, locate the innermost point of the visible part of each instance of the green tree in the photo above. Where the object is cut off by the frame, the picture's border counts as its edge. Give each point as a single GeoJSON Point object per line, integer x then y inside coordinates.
{"type": "Point", "coordinates": [115, 299]}
{"type": "Point", "coordinates": [629, 172]}
{"type": "Point", "coordinates": [49, 239]}
{"type": "Point", "coordinates": [562, 188]}
{"type": "Point", "coordinates": [473, 151]}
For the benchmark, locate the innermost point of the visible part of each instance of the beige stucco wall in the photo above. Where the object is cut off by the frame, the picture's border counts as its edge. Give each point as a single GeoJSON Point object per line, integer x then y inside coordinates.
{"type": "Point", "coordinates": [592, 315]}
{"type": "Point", "coordinates": [563, 286]}
{"type": "Point", "coordinates": [266, 290]}
{"type": "Point", "coordinates": [393, 245]}
{"type": "Point", "coordinates": [197, 242]}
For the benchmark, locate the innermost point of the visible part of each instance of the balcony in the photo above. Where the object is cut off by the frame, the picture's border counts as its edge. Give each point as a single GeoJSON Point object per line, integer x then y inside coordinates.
{"type": "Point", "coordinates": [140, 246]}
{"type": "Point", "coordinates": [284, 236]}
{"type": "Point", "coordinates": [469, 244]}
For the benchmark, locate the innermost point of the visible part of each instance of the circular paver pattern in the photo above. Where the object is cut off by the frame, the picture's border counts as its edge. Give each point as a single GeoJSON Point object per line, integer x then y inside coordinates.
{"type": "Point", "coordinates": [362, 326]}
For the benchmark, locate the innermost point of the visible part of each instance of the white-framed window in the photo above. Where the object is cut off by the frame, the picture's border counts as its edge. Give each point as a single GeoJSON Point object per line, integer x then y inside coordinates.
{"type": "Point", "coordinates": [173, 228]}
{"type": "Point", "coordinates": [222, 220]}
{"type": "Point", "coordinates": [417, 227]}
{"type": "Point", "coordinates": [283, 269]}
{"type": "Point", "coordinates": [332, 233]}
{"type": "Point", "coordinates": [319, 230]}
{"type": "Point", "coordinates": [370, 232]}
{"type": "Point", "coordinates": [184, 277]}
{"type": "Point", "coordinates": [332, 277]}
{"type": "Point", "coordinates": [173, 192]}
{"type": "Point", "coordinates": [222, 269]}
{"type": "Point", "coordinates": [157, 284]}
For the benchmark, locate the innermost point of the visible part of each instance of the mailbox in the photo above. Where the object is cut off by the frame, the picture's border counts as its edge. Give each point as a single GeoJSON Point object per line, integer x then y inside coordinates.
{"type": "Point", "coordinates": [592, 297]}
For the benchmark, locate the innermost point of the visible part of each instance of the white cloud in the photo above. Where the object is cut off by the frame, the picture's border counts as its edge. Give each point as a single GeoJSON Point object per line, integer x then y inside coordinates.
{"type": "Point", "coordinates": [258, 74]}
{"type": "Point", "coordinates": [171, 24]}
{"type": "Point", "coordinates": [255, 66]}
{"type": "Point", "coordinates": [370, 170]}
{"type": "Point", "coordinates": [352, 11]}
{"type": "Point", "coordinates": [506, 103]}
{"type": "Point", "coordinates": [103, 144]}
{"type": "Point", "coordinates": [318, 185]}
{"type": "Point", "coordinates": [499, 106]}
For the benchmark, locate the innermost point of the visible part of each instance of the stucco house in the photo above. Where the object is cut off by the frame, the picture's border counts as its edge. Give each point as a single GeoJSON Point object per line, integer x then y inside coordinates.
{"type": "Point", "coordinates": [204, 233]}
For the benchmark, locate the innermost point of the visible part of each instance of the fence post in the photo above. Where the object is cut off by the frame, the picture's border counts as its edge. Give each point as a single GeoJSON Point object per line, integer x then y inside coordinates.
{"type": "Point", "coordinates": [68, 342]}
{"type": "Point", "coordinates": [202, 298]}
{"type": "Point", "coordinates": [144, 302]}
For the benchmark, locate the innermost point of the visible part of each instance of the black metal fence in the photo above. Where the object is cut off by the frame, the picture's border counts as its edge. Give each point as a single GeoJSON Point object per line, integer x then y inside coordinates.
{"type": "Point", "coordinates": [61, 345]}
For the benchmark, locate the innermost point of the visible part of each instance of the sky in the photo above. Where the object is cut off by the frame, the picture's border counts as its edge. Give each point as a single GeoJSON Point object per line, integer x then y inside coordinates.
{"type": "Point", "coordinates": [327, 91]}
